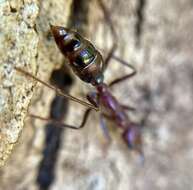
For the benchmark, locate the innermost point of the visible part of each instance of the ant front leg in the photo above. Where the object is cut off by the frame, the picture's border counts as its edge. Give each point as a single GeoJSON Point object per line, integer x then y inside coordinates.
{"type": "Point", "coordinates": [93, 98]}
{"type": "Point", "coordinates": [59, 122]}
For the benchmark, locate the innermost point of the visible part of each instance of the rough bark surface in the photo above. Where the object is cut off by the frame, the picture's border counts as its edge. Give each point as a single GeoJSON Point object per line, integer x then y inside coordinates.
{"type": "Point", "coordinates": [154, 36]}
{"type": "Point", "coordinates": [18, 47]}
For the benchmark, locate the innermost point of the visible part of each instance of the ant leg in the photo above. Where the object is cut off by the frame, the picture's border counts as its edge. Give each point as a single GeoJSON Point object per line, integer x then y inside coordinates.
{"type": "Point", "coordinates": [107, 17]}
{"type": "Point", "coordinates": [114, 46]}
{"type": "Point", "coordinates": [106, 134]}
{"type": "Point", "coordinates": [128, 108]}
{"type": "Point", "coordinates": [107, 117]}
{"type": "Point", "coordinates": [93, 99]}
{"type": "Point", "coordinates": [123, 78]}
{"type": "Point", "coordinates": [57, 90]}
{"type": "Point", "coordinates": [59, 122]}
{"type": "Point", "coordinates": [109, 56]}
{"type": "Point", "coordinates": [125, 107]}
{"type": "Point", "coordinates": [110, 23]}
{"type": "Point", "coordinates": [104, 128]}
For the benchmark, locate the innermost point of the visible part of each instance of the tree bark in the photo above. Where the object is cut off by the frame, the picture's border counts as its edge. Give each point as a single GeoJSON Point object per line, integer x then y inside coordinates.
{"type": "Point", "coordinates": [156, 38]}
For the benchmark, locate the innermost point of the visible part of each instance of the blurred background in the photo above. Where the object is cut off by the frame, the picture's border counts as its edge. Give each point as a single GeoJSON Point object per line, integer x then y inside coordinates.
{"type": "Point", "coordinates": [156, 38]}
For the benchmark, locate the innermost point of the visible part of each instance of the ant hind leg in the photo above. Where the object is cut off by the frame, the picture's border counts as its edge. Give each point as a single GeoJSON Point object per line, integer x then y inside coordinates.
{"type": "Point", "coordinates": [128, 108]}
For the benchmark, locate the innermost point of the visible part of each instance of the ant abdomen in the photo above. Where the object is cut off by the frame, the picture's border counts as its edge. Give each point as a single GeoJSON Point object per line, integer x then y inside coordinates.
{"type": "Point", "coordinates": [83, 58]}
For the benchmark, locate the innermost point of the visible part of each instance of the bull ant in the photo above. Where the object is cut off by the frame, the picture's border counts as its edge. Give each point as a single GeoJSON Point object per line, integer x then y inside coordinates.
{"type": "Point", "coordinates": [88, 64]}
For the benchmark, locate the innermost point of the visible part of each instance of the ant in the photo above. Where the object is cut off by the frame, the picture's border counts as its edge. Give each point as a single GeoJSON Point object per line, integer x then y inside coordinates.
{"type": "Point", "coordinates": [88, 64]}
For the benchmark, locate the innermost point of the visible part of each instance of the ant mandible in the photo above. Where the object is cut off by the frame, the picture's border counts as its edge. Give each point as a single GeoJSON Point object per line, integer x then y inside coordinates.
{"type": "Point", "coordinates": [87, 63]}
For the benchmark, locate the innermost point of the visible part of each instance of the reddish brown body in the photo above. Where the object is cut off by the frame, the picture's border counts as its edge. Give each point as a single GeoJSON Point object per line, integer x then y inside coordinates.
{"type": "Point", "coordinates": [111, 106]}
{"type": "Point", "coordinates": [116, 112]}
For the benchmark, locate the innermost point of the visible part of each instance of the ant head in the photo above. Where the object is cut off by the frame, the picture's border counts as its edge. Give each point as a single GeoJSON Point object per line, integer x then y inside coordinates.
{"type": "Point", "coordinates": [132, 137]}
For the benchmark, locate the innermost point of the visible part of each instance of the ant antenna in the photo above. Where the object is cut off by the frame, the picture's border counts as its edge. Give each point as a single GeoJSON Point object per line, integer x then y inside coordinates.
{"type": "Point", "coordinates": [57, 90]}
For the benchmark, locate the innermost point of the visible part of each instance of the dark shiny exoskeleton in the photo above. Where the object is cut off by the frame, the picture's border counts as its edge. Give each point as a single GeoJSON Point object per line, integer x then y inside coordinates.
{"type": "Point", "coordinates": [88, 65]}
{"type": "Point", "coordinates": [83, 57]}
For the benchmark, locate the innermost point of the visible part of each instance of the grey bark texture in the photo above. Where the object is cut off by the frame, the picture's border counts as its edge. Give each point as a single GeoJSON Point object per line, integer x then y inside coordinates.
{"type": "Point", "coordinates": [18, 47]}
{"type": "Point", "coordinates": [156, 38]}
